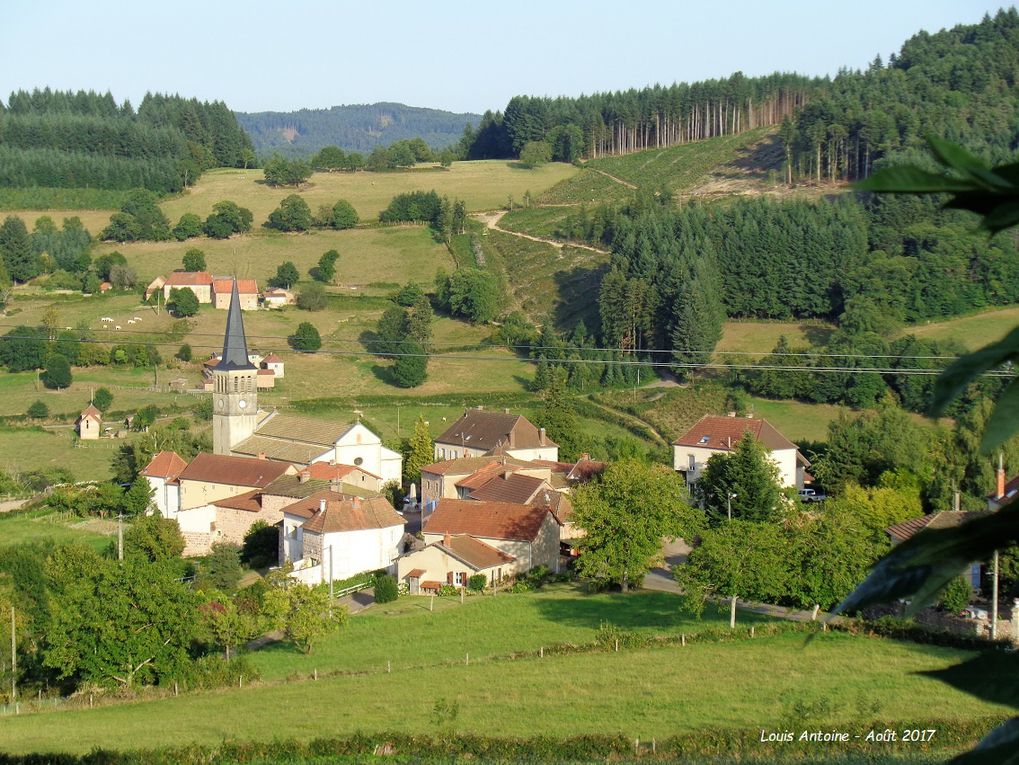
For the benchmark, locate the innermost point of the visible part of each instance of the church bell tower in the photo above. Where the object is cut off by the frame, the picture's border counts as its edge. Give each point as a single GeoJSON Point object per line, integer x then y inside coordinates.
{"type": "Point", "coordinates": [235, 394]}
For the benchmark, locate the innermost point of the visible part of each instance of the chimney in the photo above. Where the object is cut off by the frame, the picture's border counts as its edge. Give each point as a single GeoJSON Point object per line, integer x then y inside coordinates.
{"type": "Point", "coordinates": [447, 540]}
{"type": "Point", "coordinates": [541, 436]}
{"type": "Point", "coordinates": [507, 473]}
{"type": "Point", "coordinates": [321, 505]}
{"type": "Point", "coordinates": [261, 455]}
{"type": "Point", "coordinates": [585, 457]}
{"type": "Point", "coordinates": [1000, 494]}
{"type": "Point", "coordinates": [335, 485]}
{"type": "Point", "coordinates": [505, 410]}
{"type": "Point", "coordinates": [732, 414]}
{"type": "Point", "coordinates": [304, 476]}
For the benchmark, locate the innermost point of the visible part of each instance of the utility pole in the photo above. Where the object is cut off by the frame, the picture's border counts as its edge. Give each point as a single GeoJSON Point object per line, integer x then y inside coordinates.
{"type": "Point", "coordinates": [330, 580]}
{"type": "Point", "coordinates": [994, 598]}
{"type": "Point", "coordinates": [14, 660]}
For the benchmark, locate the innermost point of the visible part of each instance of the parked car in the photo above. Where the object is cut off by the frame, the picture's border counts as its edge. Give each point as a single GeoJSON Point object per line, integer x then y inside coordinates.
{"type": "Point", "coordinates": [811, 495]}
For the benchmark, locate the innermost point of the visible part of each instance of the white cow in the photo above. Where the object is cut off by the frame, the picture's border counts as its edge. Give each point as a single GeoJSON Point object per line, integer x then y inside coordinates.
{"type": "Point", "coordinates": [130, 321]}
{"type": "Point", "coordinates": [117, 327]}
{"type": "Point", "coordinates": [137, 318]}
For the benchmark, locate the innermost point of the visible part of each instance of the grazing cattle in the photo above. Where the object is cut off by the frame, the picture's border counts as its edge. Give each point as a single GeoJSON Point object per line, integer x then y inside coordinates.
{"type": "Point", "coordinates": [107, 319]}
{"type": "Point", "coordinates": [130, 321]}
{"type": "Point", "coordinates": [117, 327]}
{"type": "Point", "coordinates": [137, 318]}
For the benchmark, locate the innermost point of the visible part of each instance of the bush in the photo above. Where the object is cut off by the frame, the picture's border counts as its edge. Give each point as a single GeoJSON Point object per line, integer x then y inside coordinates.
{"type": "Point", "coordinates": [189, 225]}
{"type": "Point", "coordinates": [956, 595]}
{"type": "Point", "coordinates": [344, 215]}
{"type": "Point", "coordinates": [184, 352]}
{"type": "Point", "coordinates": [477, 582]}
{"type": "Point", "coordinates": [38, 411]}
{"type": "Point", "coordinates": [283, 172]}
{"type": "Point", "coordinates": [228, 218]}
{"type": "Point", "coordinates": [386, 590]}
{"type": "Point", "coordinates": [306, 338]}
{"type": "Point", "coordinates": [448, 589]}
{"type": "Point", "coordinates": [412, 206]}
{"type": "Point", "coordinates": [215, 672]}
{"type": "Point", "coordinates": [293, 214]}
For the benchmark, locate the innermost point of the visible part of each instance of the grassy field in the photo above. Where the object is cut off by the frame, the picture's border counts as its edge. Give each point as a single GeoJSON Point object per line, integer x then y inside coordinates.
{"type": "Point", "coordinates": [366, 255]}
{"type": "Point", "coordinates": [762, 336]}
{"type": "Point", "coordinates": [639, 693]}
{"type": "Point", "coordinates": [797, 420]}
{"type": "Point", "coordinates": [483, 185]}
{"type": "Point", "coordinates": [25, 529]}
{"type": "Point", "coordinates": [22, 450]}
{"type": "Point", "coordinates": [971, 331]}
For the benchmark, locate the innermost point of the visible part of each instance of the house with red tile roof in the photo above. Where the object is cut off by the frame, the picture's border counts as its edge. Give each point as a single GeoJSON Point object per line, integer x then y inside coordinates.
{"type": "Point", "coordinates": [453, 560]}
{"type": "Point", "coordinates": [161, 474]}
{"type": "Point", "coordinates": [719, 434]}
{"type": "Point", "coordinates": [480, 433]}
{"type": "Point", "coordinates": [199, 282]}
{"type": "Point", "coordinates": [89, 423]}
{"type": "Point", "coordinates": [530, 534]}
{"type": "Point", "coordinates": [247, 292]}
{"type": "Point", "coordinates": [331, 534]}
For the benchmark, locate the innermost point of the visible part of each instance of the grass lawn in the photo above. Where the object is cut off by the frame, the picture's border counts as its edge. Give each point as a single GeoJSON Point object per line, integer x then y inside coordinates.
{"type": "Point", "coordinates": [797, 420]}
{"type": "Point", "coordinates": [34, 449]}
{"type": "Point", "coordinates": [483, 185]}
{"type": "Point", "coordinates": [762, 336]}
{"type": "Point", "coordinates": [639, 693]}
{"type": "Point", "coordinates": [28, 528]}
{"type": "Point", "coordinates": [971, 331]}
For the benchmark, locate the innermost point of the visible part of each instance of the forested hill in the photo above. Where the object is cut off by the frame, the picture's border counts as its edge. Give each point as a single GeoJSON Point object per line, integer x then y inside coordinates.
{"type": "Point", "coordinates": [958, 83]}
{"type": "Point", "coordinates": [359, 127]}
{"type": "Point", "coordinates": [86, 139]}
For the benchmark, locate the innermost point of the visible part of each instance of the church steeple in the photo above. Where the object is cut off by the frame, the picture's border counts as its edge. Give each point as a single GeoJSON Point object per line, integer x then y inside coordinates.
{"type": "Point", "coordinates": [235, 385]}
{"type": "Point", "coordinates": [235, 345]}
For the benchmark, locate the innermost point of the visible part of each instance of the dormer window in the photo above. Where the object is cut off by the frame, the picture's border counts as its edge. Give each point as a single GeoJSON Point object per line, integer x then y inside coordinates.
{"type": "Point", "coordinates": [704, 439]}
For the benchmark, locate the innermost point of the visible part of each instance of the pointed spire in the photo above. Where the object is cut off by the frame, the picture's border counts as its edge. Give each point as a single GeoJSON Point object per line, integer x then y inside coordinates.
{"type": "Point", "coordinates": [235, 345]}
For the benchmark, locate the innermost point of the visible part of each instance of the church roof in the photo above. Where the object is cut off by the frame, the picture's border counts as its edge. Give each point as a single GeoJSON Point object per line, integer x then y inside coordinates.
{"type": "Point", "coordinates": [308, 430]}
{"type": "Point", "coordinates": [235, 345]}
{"type": "Point", "coordinates": [280, 449]}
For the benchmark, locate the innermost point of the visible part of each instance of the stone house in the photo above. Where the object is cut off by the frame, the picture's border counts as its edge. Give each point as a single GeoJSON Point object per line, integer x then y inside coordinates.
{"type": "Point", "coordinates": [211, 477]}
{"type": "Point", "coordinates": [161, 474]}
{"type": "Point", "coordinates": [199, 282]}
{"type": "Point", "coordinates": [453, 560]}
{"type": "Point", "coordinates": [274, 363]}
{"type": "Point", "coordinates": [247, 293]}
{"type": "Point", "coordinates": [527, 533]}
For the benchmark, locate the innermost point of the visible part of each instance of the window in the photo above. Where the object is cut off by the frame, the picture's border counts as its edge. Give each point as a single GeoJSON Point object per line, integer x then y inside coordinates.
{"type": "Point", "coordinates": [358, 461]}
{"type": "Point", "coordinates": [704, 439]}
{"type": "Point", "coordinates": [693, 462]}
{"type": "Point", "coordinates": [458, 578]}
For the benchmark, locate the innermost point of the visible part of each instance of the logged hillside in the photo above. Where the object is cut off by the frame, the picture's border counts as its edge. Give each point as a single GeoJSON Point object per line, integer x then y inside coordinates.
{"type": "Point", "coordinates": [359, 127]}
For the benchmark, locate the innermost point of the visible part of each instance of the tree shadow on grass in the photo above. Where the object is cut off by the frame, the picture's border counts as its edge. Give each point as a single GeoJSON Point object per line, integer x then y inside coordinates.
{"type": "Point", "coordinates": [645, 610]}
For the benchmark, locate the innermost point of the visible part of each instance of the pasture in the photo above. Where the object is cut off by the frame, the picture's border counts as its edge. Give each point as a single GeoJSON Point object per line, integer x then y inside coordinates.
{"type": "Point", "coordinates": [27, 528]}
{"type": "Point", "coordinates": [483, 185]}
{"type": "Point", "coordinates": [638, 692]}
{"type": "Point", "coordinates": [971, 331]}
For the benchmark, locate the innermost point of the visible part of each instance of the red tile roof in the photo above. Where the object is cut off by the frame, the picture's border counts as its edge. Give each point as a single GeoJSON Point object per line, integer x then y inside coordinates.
{"type": "Point", "coordinates": [557, 503]}
{"type": "Point", "coordinates": [166, 465]}
{"type": "Point", "coordinates": [234, 471]}
{"type": "Point", "coordinates": [249, 501]}
{"type": "Point", "coordinates": [224, 285]}
{"type": "Point", "coordinates": [352, 514]}
{"type": "Point", "coordinates": [514, 488]}
{"type": "Point", "coordinates": [475, 553]}
{"type": "Point", "coordinates": [272, 358]}
{"type": "Point", "coordinates": [946, 519]}
{"type": "Point", "coordinates": [188, 279]}
{"type": "Point", "coordinates": [723, 433]}
{"type": "Point", "coordinates": [90, 411]}
{"type": "Point", "coordinates": [479, 429]}
{"type": "Point", "coordinates": [469, 465]}
{"type": "Point", "coordinates": [488, 520]}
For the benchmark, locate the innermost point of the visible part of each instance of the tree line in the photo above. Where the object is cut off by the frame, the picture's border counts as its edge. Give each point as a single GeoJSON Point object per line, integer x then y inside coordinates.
{"type": "Point", "coordinates": [85, 139]}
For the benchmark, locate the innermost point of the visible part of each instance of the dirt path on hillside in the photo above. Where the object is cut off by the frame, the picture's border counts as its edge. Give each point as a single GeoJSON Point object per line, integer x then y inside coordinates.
{"type": "Point", "coordinates": [491, 220]}
{"type": "Point", "coordinates": [631, 418]}
{"type": "Point", "coordinates": [611, 177]}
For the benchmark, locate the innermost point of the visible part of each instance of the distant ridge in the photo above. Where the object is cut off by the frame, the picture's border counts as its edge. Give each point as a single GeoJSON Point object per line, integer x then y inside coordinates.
{"type": "Point", "coordinates": [354, 127]}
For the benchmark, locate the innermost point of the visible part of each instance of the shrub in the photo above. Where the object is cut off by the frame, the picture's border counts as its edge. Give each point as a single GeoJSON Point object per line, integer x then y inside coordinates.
{"type": "Point", "coordinates": [58, 372]}
{"type": "Point", "coordinates": [261, 546]}
{"type": "Point", "coordinates": [956, 595]}
{"type": "Point", "coordinates": [189, 225]}
{"type": "Point", "coordinates": [312, 297]}
{"type": "Point", "coordinates": [102, 399]}
{"type": "Point", "coordinates": [306, 338]}
{"type": "Point", "coordinates": [344, 215]}
{"type": "Point", "coordinates": [293, 214]}
{"type": "Point", "coordinates": [448, 589]}
{"type": "Point", "coordinates": [38, 411]}
{"type": "Point", "coordinates": [477, 582]}
{"type": "Point", "coordinates": [386, 590]}
{"type": "Point", "coordinates": [184, 352]}
{"type": "Point", "coordinates": [228, 218]}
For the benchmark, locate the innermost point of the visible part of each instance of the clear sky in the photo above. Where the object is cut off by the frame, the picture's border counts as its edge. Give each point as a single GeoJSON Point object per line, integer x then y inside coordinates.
{"type": "Point", "coordinates": [460, 56]}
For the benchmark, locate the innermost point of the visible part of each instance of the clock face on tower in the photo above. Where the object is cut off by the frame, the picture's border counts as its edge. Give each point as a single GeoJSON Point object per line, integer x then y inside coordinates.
{"type": "Point", "coordinates": [242, 404]}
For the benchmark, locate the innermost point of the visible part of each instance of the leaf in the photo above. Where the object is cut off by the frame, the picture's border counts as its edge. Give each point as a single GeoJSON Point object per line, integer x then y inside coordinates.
{"type": "Point", "coordinates": [980, 202]}
{"type": "Point", "coordinates": [963, 371]}
{"type": "Point", "coordinates": [1002, 217]}
{"type": "Point", "coordinates": [1004, 420]}
{"type": "Point", "coordinates": [921, 567]}
{"type": "Point", "coordinates": [1009, 172]}
{"type": "Point", "coordinates": [913, 180]}
{"type": "Point", "coordinates": [962, 161]}
{"type": "Point", "coordinates": [999, 747]}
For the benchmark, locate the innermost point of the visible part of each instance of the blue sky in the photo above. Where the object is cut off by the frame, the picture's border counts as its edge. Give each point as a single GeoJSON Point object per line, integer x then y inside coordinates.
{"type": "Point", "coordinates": [461, 56]}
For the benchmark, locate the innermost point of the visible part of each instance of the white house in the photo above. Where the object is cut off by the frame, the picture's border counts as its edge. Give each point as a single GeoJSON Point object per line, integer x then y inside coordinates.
{"type": "Point", "coordinates": [161, 474]}
{"type": "Point", "coordinates": [339, 535]}
{"type": "Point", "coordinates": [478, 433]}
{"type": "Point", "coordinates": [715, 434]}
{"type": "Point", "coordinates": [305, 440]}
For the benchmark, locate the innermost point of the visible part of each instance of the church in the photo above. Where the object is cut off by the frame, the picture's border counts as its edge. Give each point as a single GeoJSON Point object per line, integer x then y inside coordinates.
{"type": "Point", "coordinates": [240, 429]}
